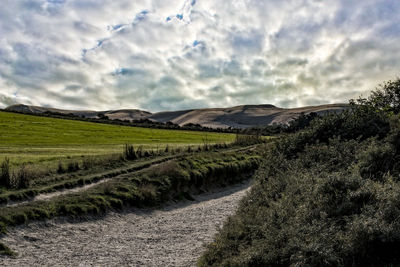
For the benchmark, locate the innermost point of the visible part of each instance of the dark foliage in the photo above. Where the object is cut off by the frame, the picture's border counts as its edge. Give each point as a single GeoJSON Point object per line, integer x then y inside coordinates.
{"type": "Point", "coordinates": [328, 195]}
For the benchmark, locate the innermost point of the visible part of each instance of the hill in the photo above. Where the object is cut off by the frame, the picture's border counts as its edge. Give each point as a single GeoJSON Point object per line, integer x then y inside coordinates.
{"type": "Point", "coordinates": [241, 117]}
{"type": "Point", "coordinates": [29, 138]}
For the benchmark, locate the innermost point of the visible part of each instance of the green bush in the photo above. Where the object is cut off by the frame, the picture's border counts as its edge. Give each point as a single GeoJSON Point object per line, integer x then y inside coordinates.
{"type": "Point", "coordinates": [386, 98]}
{"type": "Point", "coordinates": [328, 195]}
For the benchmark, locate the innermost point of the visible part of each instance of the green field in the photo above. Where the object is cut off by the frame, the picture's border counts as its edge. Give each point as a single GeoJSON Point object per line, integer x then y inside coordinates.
{"type": "Point", "coordinates": [33, 139]}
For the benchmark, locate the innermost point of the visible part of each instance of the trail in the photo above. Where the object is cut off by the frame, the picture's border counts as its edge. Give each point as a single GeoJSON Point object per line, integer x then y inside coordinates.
{"type": "Point", "coordinates": [49, 196]}
{"type": "Point", "coordinates": [173, 235]}
{"type": "Point", "coordinates": [124, 171]}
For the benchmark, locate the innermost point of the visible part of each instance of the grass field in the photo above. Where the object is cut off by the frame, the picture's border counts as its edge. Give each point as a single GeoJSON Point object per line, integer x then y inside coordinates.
{"type": "Point", "coordinates": [33, 139]}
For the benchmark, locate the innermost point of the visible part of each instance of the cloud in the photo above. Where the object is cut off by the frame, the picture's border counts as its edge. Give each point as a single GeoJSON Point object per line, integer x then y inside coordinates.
{"type": "Point", "coordinates": [179, 54]}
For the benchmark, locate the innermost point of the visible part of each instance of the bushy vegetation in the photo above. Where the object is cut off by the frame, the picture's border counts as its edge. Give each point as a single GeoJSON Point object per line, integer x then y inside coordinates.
{"type": "Point", "coordinates": [297, 124]}
{"type": "Point", "coordinates": [328, 195]}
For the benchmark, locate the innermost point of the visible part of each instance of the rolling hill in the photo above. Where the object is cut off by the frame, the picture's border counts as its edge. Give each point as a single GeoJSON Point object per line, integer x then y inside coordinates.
{"type": "Point", "coordinates": [244, 116]}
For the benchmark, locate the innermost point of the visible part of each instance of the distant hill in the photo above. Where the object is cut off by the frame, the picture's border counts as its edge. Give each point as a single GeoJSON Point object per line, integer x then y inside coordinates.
{"type": "Point", "coordinates": [244, 116]}
{"type": "Point", "coordinates": [123, 114]}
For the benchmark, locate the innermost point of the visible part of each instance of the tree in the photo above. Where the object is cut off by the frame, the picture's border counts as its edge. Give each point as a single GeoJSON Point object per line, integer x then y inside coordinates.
{"type": "Point", "coordinates": [385, 98]}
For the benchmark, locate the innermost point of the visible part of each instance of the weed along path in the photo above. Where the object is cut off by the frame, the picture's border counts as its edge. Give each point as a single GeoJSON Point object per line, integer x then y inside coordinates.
{"type": "Point", "coordinates": [173, 235]}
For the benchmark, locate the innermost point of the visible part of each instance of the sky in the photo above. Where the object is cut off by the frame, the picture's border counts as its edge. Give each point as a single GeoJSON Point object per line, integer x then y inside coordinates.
{"type": "Point", "coordinates": [181, 54]}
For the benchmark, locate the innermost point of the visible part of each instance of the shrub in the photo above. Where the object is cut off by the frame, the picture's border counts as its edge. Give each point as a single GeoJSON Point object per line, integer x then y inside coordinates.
{"type": "Point", "coordinates": [385, 98]}
{"type": "Point", "coordinates": [376, 160]}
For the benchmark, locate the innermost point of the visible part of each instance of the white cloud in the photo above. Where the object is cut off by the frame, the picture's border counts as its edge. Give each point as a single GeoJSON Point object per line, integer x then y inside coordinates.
{"type": "Point", "coordinates": [157, 55]}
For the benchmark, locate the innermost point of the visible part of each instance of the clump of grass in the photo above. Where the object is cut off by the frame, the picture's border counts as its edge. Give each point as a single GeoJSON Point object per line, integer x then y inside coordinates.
{"type": "Point", "coordinates": [5, 176]}
{"type": "Point", "coordinates": [149, 193]}
{"type": "Point", "coordinates": [129, 152]}
{"type": "Point", "coordinates": [60, 168]}
{"type": "Point", "coordinates": [4, 250]}
{"type": "Point", "coordinates": [21, 177]}
{"type": "Point", "coordinates": [72, 166]}
{"type": "Point", "coordinates": [17, 179]}
{"type": "Point", "coordinates": [248, 139]}
{"type": "Point", "coordinates": [88, 163]}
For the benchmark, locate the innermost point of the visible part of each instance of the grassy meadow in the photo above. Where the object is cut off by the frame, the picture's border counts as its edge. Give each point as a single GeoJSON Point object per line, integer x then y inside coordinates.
{"type": "Point", "coordinates": [33, 139]}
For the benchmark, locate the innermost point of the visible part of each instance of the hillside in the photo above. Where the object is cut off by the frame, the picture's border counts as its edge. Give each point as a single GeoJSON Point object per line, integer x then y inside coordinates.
{"type": "Point", "coordinates": [244, 116]}
{"type": "Point", "coordinates": [33, 138]}
{"type": "Point", "coordinates": [123, 114]}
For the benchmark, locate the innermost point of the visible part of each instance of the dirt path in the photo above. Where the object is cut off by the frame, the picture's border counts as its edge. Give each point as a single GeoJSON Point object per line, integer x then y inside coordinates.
{"type": "Point", "coordinates": [171, 236]}
{"type": "Point", "coordinates": [127, 171]}
{"type": "Point", "coordinates": [140, 166]}
{"type": "Point", "coordinates": [48, 196]}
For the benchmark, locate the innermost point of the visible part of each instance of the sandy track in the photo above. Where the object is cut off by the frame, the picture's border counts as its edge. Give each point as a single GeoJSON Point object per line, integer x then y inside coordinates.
{"type": "Point", "coordinates": [49, 196]}
{"type": "Point", "coordinates": [127, 171]}
{"type": "Point", "coordinates": [170, 236]}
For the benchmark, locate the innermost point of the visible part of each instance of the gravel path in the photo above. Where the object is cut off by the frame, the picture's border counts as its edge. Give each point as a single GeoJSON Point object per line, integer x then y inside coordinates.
{"type": "Point", "coordinates": [49, 196]}
{"type": "Point", "coordinates": [171, 236]}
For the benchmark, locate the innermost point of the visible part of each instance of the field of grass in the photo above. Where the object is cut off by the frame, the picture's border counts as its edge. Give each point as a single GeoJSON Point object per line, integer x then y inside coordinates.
{"type": "Point", "coordinates": [33, 139]}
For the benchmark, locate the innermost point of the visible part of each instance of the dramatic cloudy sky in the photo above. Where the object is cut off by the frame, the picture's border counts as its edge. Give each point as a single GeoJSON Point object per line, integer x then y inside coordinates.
{"type": "Point", "coordinates": [177, 54]}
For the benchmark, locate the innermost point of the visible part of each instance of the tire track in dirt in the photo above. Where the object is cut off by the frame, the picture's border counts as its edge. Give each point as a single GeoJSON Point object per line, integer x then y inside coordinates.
{"type": "Point", "coordinates": [173, 235]}
{"type": "Point", "coordinates": [106, 176]}
{"type": "Point", "coordinates": [123, 172]}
